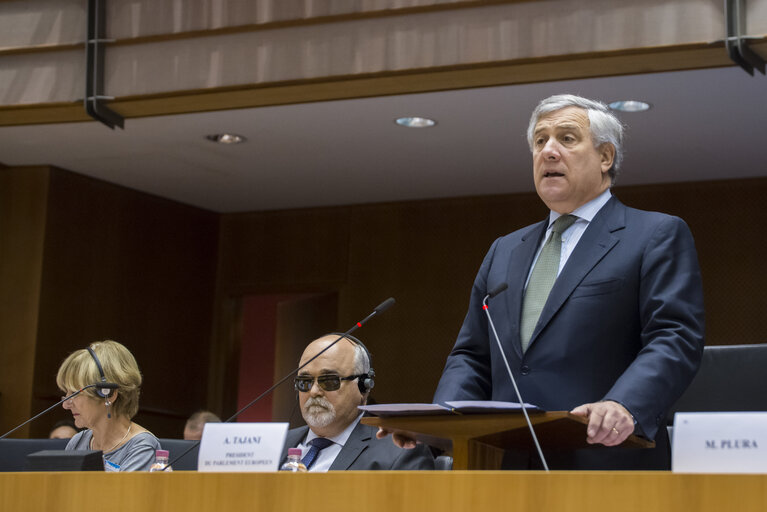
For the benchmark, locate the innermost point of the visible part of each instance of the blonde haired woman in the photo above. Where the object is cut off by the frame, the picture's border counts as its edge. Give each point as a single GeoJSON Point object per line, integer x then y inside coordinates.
{"type": "Point", "coordinates": [107, 413]}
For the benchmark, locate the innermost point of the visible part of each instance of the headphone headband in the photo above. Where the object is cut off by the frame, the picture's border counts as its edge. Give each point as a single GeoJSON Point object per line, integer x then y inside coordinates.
{"type": "Point", "coordinates": [367, 381]}
{"type": "Point", "coordinates": [102, 392]}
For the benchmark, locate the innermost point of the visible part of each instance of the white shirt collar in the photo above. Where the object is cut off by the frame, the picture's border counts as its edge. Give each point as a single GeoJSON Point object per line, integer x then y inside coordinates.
{"type": "Point", "coordinates": [587, 211]}
{"type": "Point", "coordinates": [340, 438]}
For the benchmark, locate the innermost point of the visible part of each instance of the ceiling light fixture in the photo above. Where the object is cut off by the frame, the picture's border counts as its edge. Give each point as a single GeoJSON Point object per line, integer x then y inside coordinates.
{"type": "Point", "coordinates": [226, 138]}
{"type": "Point", "coordinates": [629, 106]}
{"type": "Point", "coordinates": [415, 122]}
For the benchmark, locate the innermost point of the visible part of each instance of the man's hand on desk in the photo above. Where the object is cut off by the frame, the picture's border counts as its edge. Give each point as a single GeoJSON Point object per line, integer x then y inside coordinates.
{"type": "Point", "coordinates": [609, 422]}
{"type": "Point", "coordinates": [400, 440]}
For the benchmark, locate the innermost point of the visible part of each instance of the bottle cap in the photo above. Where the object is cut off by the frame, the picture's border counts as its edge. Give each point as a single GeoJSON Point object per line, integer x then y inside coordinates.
{"type": "Point", "coordinates": [294, 451]}
{"type": "Point", "coordinates": [162, 453]}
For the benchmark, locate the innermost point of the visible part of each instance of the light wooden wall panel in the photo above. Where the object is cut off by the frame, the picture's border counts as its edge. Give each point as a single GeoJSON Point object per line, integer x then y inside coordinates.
{"type": "Point", "coordinates": [385, 491]}
{"type": "Point", "coordinates": [173, 57]}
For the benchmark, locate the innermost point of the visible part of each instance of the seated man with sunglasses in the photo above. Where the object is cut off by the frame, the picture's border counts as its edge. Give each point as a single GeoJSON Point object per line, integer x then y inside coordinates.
{"type": "Point", "coordinates": [329, 390]}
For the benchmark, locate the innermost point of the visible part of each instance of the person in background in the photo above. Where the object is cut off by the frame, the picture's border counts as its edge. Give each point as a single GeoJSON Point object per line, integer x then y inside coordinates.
{"type": "Point", "coordinates": [330, 389]}
{"type": "Point", "coordinates": [196, 422]}
{"type": "Point", "coordinates": [64, 429]}
{"type": "Point", "coordinates": [127, 446]}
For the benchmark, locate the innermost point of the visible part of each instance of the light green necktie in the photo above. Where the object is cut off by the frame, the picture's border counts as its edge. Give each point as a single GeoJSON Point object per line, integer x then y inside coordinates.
{"type": "Point", "coordinates": [542, 279]}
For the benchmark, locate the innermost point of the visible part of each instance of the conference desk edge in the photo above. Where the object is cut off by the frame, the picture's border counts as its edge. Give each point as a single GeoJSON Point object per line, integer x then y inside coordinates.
{"type": "Point", "coordinates": [383, 491]}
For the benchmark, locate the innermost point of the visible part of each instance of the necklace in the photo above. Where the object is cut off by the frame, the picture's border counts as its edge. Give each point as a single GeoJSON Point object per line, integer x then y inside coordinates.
{"type": "Point", "coordinates": [118, 442]}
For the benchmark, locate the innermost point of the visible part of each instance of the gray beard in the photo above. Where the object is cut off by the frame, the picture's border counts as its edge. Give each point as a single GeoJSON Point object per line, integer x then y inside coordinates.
{"type": "Point", "coordinates": [318, 412]}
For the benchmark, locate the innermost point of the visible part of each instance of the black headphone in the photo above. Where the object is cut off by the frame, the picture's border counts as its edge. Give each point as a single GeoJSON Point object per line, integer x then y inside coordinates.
{"type": "Point", "coordinates": [102, 392]}
{"type": "Point", "coordinates": [366, 382]}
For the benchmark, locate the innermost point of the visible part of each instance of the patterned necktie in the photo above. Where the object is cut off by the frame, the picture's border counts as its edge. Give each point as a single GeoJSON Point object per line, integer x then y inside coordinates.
{"type": "Point", "coordinates": [542, 279]}
{"type": "Point", "coordinates": [317, 444]}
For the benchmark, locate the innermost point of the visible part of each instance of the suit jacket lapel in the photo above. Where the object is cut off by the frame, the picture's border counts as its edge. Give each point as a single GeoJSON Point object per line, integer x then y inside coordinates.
{"type": "Point", "coordinates": [293, 438]}
{"type": "Point", "coordinates": [354, 446]}
{"type": "Point", "coordinates": [520, 261]}
{"type": "Point", "coordinates": [594, 244]}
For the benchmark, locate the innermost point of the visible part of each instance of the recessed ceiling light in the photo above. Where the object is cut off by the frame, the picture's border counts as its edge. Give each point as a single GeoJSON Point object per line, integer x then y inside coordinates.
{"type": "Point", "coordinates": [415, 122]}
{"type": "Point", "coordinates": [226, 138]}
{"type": "Point", "coordinates": [629, 106]}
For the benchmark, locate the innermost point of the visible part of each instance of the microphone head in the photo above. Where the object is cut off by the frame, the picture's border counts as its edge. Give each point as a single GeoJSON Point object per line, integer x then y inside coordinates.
{"type": "Point", "coordinates": [385, 305]}
{"type": "Point", "coordinates": [498, 289]}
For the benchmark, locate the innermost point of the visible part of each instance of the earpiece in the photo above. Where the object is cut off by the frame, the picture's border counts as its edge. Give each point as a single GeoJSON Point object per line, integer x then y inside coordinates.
{"type": "Point", "coordinates": [102, 392]}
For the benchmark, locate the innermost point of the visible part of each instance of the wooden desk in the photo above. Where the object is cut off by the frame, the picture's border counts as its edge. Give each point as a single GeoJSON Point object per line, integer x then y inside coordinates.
{"type": "Point", "coordinates": [383, 491]}
{"type": "Point", "coordinates": [477, 441]}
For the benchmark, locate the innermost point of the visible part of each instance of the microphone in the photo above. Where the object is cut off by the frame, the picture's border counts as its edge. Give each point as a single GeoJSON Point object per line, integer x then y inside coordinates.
{"type": "Point", "coordinates": [495, 291]}
{"type": "Point", "coordinates": [377, 311]}
{"type": "Point", "coordinates": [100, 385]}
{"type": "Point", "coordinates": [381, 308]}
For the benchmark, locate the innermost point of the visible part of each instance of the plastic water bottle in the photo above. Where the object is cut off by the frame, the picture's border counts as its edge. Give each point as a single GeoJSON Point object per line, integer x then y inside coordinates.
{"type": "Point", "coordinates": [161, 461]}
{"type": "Point", "coordinates": [294, 461]}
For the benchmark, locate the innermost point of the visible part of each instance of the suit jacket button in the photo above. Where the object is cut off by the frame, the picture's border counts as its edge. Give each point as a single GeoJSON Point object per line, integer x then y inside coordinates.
{"type": "Point", "coordinates": [525, 369]}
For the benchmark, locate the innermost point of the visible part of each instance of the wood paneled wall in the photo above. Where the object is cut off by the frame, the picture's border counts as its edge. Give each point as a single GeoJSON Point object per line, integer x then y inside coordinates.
{"type": "Point", "coordinates": [724, 217]}
{"type": "Point", "coordinates": [426, 254]}
{"type": "Point", "coordinates": [124, 265]}
{"type": "Point", "coordinates": [119, 264]}
{"type": "Point", "coordinates": [23, 197]}
{"type": "Point", "coordinates": [83, 260]}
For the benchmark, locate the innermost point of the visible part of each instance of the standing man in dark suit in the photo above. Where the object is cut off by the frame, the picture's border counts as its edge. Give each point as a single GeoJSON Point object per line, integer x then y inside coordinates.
{"type": "Point", "coordinates": [329, 390]}
{"type": "Point", "coordinates": [603, 315]}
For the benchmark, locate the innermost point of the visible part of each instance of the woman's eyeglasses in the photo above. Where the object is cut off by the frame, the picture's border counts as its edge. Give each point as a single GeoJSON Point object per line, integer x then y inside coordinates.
{"type": "Point", "coordinates": [68, 396]}
{"type": "Point", "coordinates": [329, 382]}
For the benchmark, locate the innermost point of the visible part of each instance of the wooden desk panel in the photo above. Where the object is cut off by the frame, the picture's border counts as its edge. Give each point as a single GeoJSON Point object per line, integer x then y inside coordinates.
{"type": "Point", "coordinates": [384, 491]}
{"type": "Point", "coordinates": [476, 441]}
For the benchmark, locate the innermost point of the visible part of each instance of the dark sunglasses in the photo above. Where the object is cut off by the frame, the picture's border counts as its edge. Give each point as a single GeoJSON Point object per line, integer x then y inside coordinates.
{"type": "Point", "coordinates": [328, 382]}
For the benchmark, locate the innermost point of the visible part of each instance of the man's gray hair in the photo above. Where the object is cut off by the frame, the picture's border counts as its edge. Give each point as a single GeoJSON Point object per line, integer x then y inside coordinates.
{"type": "Point", "coordinates": [605, 126]}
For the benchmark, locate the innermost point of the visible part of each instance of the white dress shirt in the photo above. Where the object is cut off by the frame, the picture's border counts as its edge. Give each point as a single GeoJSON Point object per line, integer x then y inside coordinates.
{"type": "Point", "coordinates": [572, 235]}
{"type": "Point", "coordinates": [326, 456]}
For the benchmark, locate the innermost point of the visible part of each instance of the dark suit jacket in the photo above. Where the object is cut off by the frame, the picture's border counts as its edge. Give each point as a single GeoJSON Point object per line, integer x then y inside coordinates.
{"type": "Point", "coordinates": [624, 322]}
{"type": "Point", "coordinates": [363, 451]}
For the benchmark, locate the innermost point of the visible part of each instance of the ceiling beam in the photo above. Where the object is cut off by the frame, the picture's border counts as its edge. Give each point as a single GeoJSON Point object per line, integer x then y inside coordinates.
{"type": "Point", "coordinates": [568, 67]}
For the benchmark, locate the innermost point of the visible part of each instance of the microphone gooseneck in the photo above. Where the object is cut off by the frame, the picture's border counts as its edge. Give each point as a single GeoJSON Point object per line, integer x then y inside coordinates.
{"type": "Point", "coordinates": [104, 385]}
{"type": "Point", "coordinates": [495, 291]}
{"type": "Point", "coordinates": [377, 311]}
